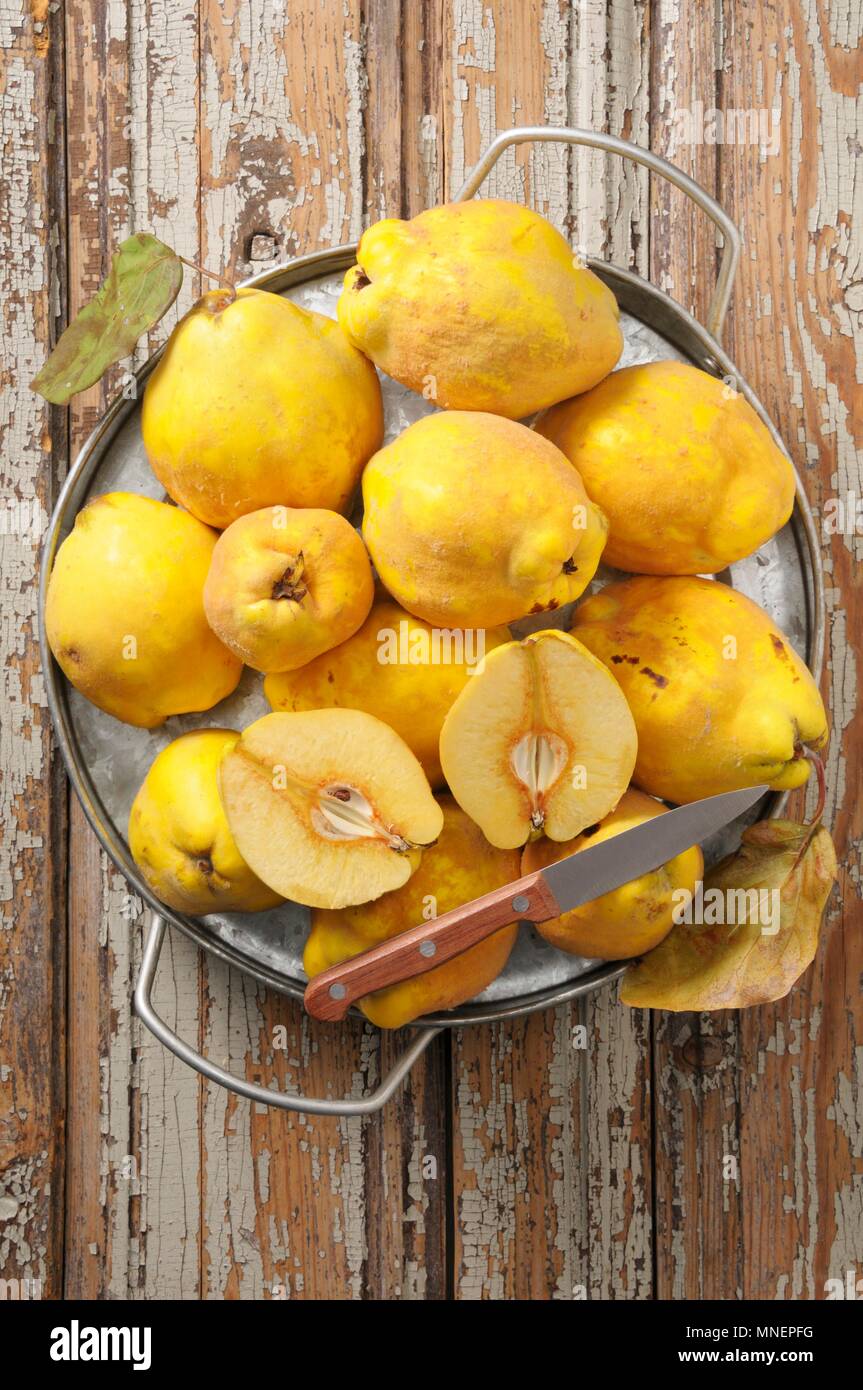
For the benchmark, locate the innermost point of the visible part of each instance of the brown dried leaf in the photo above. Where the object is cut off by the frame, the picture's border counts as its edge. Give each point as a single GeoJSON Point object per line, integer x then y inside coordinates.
{"type": "Point", "coordinates": [738, 963]}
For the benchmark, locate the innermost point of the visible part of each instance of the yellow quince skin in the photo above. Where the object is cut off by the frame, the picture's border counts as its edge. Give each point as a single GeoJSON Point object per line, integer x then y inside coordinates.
{"type": "Point", "coordinates": [687, 474]}
{"type": "Point", "coordinates": [257, 402]}
{"type": "Point", "coordinates": [473, 520]}
{"type": "Point", "coordinates": [719, 696]}
{"type": "Point", "coordinates": [397, 668]}
{"type": "Point", "coordinates": [179, 834]}
{"type": "Point", "coordinates": [480, 306]}
{"type": "Point", "coordinates": [286, 584]}
{"type": "Point", "coordinates": [631, 919]}
{"type": "Point", "coordinates": [462, 865]}
{"type": "Point", "coordinates": [125, 613]}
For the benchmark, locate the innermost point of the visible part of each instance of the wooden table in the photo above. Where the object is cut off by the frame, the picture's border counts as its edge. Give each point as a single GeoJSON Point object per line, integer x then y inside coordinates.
{"type": "Point", "coordinates": [673, 1155]}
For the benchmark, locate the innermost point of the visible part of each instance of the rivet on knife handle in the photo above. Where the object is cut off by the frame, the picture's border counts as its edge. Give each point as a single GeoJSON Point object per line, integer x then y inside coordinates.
{"type": "Point", "coordinates": [330, 994]}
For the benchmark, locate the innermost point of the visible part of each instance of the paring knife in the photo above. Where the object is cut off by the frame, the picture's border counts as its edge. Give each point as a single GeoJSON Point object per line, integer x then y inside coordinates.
{"type": "Point", "coordinates": [537, 897]}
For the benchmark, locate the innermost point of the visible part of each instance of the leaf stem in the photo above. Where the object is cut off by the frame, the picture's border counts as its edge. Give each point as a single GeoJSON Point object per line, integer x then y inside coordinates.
{"type": "Point", "coordinates": [818, 764]}
{"type": "Point", "coordinates": [211, 274]}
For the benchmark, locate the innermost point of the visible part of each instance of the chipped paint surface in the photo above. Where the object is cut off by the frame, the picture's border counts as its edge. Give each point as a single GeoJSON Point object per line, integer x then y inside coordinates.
{"type": "Point", "coordinates": [591, 1152]}
{"type": "Point", "coordinates": [31, 947]}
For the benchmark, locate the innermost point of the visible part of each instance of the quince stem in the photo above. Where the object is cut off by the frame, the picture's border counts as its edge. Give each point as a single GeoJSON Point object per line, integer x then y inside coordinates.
{"type": "Point", "coordinates": [818, 764]}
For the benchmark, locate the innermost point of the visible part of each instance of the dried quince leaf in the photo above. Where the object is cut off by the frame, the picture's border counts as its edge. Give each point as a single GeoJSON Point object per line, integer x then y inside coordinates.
{"type": "Point", "coordinates": [778, 883]}
{"type": "Point", "coordinates": [142, 284]}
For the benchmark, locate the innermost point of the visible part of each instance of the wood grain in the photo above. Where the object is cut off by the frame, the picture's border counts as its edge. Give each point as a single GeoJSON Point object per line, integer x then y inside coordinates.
{"type": "Point", "coordinates": [592, 1151]}
{"type": "Point", "coordinates": [796, 335]}
{"type": "Point", "coordinates": [32, 802]}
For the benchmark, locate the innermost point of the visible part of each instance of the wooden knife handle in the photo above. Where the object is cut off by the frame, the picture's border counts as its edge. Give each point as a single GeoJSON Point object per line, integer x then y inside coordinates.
{"type": "Point", "coordinates": [330, 994]}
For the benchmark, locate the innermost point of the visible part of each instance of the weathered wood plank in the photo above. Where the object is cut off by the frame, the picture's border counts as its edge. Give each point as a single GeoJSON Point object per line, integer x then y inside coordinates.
{"type": "Point", "coordinates": [32, 803]}
{"type": "Point", "coordinates": [796, 335]}
{"type": "Point", "coordinates": [552, 1136]}
{"type": "Point", "coordinates": [132, 90]}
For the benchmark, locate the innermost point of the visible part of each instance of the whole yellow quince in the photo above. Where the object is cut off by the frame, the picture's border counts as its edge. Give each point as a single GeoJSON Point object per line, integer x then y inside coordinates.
{"type": "Point", "coordinates": [125, 612]}
{"type": "Point", "coordinates": [473, 520]}
{"type": "Point", "coordinates": [396, 667]}
{"type": "Point", "coordinates": [720, 698]}
{"type": "Point", "coordinates": [460, 866]}
{"type": "Point", "coordinates": [686, 472]}
{"type": "Point", "coordinates": [257, 402]}
{"type": "Point", "coordinates": [286, 584]}
{"type": "Point", "coordinates": [179, 835]}
{"type": "Point", "coordinates": [480, 306]}
{"type": "Point", "coordinates": [631, 919]}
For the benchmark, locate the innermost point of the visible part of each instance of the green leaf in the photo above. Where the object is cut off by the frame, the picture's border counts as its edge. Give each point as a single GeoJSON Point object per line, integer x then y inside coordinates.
{"type": "Point", "coordinates": [142, 284]}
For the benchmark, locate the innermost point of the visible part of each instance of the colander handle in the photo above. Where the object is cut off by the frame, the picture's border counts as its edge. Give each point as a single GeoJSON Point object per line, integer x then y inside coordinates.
{"type": "Point", "coordinates": [307, 1105]}
{"type": "Point", "coordinates": [612, 144]}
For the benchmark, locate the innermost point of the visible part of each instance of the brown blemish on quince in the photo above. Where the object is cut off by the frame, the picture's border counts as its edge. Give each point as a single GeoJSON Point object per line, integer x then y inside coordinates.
{"type": "Point", "coordinates": [661, 681]}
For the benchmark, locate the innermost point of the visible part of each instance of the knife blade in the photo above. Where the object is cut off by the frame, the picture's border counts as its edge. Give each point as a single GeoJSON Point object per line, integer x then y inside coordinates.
{"type": "Point", "coordinates": [537, 897]}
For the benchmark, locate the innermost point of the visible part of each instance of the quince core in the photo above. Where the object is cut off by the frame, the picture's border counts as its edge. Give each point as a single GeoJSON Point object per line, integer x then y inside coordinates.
{"type": "Point", "coordinates": [539, 742]}
{"type": "Point", "coordinates": [329, 807]}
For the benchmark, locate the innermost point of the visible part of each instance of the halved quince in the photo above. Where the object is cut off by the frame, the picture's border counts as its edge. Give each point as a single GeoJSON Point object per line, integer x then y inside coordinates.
{"type": "Point", "coordinates": [541, 741]}
{"type": "Point", "coordinates": [328, 807]}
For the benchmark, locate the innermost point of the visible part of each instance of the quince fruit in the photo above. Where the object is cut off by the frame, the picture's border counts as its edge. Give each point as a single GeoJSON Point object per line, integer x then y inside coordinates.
{"type": "Point", "coordinates": [473, 520]}
{"type": "Point", "coordinates": [285, 585]}
{"type": "Point", "coordinates": [125, 614]}
{"type": "Point", "coordinates": [179, 835]}
{"type": "Point", "coordinates": [395, 667]}
{"type": "Point", "coordinates": [633, 918]}
{"type": "Point", "coordinates": [257, 402]}
{"type": "Point", "coordinates": [687, 474]}
{"type": "Point", "coordinates": [462, 865]}
{"type": "Point", "coordinates": [329, 807]}
{"type": "Point", "coordinates": [720, 698]}
{"type": "Point", "coordinates": [480, 306]}
{"type": "Point", "coordinates": [540, 741]}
